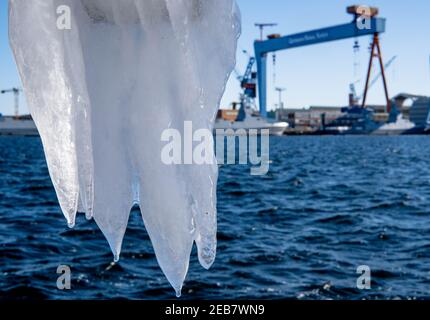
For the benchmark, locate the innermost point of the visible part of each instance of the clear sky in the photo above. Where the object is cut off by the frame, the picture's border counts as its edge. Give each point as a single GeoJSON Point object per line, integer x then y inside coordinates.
{"type": "Point", "coordinates": [315, 75]}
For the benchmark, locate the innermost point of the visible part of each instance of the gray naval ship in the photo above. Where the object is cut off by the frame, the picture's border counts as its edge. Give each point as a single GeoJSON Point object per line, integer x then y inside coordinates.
{"type": "Point", "coordinates": [403, 119]}
{"type": "Point", "coordinates": [17, 126]}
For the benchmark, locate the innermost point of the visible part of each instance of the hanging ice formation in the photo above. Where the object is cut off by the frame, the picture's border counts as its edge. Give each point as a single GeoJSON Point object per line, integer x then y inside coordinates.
{"type": "Point", "coordinates": [103, 86]}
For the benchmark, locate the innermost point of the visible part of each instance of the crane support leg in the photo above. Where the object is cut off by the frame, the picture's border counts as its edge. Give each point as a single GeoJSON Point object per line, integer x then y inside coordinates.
{"type": "Point", "coordinates": [376, 46]}
{"type": "Point", "coordinates": [262, 83]}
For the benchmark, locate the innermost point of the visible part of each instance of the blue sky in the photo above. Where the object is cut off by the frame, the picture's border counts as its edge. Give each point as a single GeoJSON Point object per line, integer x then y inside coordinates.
{"type": "Point", "coordinates": [315, 75]}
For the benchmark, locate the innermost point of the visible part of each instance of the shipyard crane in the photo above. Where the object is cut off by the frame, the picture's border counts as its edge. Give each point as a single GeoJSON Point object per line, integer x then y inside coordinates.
{"type": "Point", "coordinates": [16, 92]}
{"type": "Point", "coordinates": [248, 79]}
{"type": "Point", "coordinates": [355, 29]}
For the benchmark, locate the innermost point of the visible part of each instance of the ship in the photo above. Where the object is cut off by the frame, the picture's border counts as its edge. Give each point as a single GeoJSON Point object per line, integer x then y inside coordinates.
{"type": "Point", "coordinates": [246, 121]}
{"type": "Point", "coordinates": [17, 126]}
{"type": "Point", "coordinates": [227, 119]}
{"type": "Point", "coordinates": [401, 120]}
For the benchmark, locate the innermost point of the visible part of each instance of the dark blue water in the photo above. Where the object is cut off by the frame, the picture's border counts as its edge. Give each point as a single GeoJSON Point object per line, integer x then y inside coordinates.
{"type": "Point", "coordinates": [328, 205]}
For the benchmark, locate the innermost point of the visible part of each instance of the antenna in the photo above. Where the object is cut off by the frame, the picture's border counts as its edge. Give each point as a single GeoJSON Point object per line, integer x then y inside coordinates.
{"type": "Point", "coordinates": [262, 26]}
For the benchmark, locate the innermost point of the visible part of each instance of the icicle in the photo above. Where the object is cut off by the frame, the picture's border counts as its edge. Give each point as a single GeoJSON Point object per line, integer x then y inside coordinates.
{"type": "Point", "coordinates": [102, 93]}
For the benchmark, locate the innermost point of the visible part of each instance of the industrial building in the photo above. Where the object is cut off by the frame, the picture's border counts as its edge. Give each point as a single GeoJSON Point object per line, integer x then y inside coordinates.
{"type": "Point", "coordinates": [308, 119]}
{"type": "Point", "coordinates": [412, 107]}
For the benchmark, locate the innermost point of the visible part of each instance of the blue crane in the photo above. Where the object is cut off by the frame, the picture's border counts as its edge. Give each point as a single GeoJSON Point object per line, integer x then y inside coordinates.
{"type": "Point", "coordinates": [248, 81]}
{"type": "Point", "coordinates": [354, 29]}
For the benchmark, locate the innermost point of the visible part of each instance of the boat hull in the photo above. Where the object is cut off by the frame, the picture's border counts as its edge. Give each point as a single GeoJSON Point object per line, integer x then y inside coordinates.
{"type": "Point", "coordinates": [11, 126]}
{"type": "Point", "coordinates": [248, 127]}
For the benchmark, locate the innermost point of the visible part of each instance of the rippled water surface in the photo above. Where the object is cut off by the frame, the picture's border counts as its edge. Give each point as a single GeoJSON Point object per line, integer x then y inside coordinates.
{"type": "Point", "coordinates": [328, 205]}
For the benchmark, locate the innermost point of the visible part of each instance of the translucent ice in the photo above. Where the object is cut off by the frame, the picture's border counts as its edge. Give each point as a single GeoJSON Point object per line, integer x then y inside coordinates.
{"type": "Point", "coordinates": [103, 86]}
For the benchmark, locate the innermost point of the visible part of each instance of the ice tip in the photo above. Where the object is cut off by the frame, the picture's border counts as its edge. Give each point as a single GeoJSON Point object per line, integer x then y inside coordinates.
{"type": "Point", "coordinates": [206, 265]}
{"type": "Point", "coordinates": [71, 224]}
{"type": "Point", "coordinates": [178, 292]}
{"type": "Point", "coordinates": [70, 218]}
{"type": "Point", "coordinates": [116, 257]}
{"type": "Point", "coordinates": [206, 261]}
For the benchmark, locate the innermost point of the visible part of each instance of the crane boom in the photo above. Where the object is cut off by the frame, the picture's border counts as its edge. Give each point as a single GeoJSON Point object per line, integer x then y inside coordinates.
{"type": "Point", "coordinates": [248, 72]}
